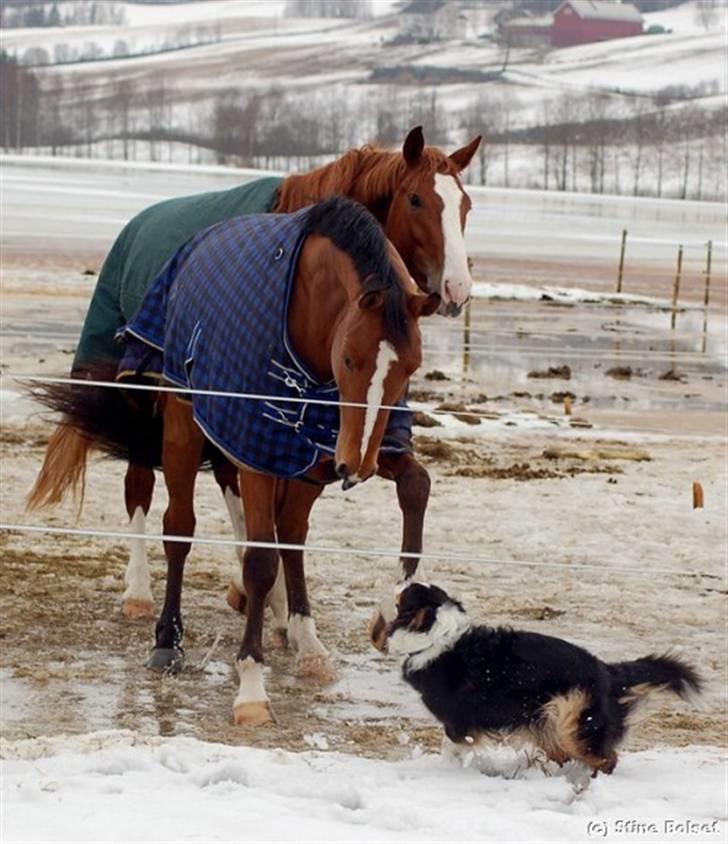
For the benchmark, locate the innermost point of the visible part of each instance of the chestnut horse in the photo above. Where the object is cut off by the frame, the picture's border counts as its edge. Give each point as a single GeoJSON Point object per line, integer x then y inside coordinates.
{"type": "Point", "coordinates": [418, 199]}
{"type": "Point", "coordinates": [348, 314]}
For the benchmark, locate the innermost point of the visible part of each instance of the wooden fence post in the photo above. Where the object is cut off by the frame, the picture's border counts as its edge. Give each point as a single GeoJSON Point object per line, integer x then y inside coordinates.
{"type": "Point", "coordinates": [621, 261]}
{"type": "Point", "coordinates": [706, 300]}
{"type": "Point", "coordinates": [466, 340]}
{"type": "Point", "coordinates": [676, 286]}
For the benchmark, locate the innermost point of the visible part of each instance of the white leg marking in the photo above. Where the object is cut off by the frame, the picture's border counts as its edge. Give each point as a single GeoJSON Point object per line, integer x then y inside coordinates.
{"type": "Point", "coordinates": [138, 578]}
{"type": "Point", "coordinates": [302, 635]}
{"type": "Point", "coordinates": [278, 603]}
{"type": "Point", "coordinates": [312, 659]}
{"type": "Point", "coordinates": [456, 279]}
{"type": "Point", "coordinates": [386, 356]}
{"type": "Point", "coordinates": [237, 520]}
{"type": "Point", "coordinates": [252, 688]}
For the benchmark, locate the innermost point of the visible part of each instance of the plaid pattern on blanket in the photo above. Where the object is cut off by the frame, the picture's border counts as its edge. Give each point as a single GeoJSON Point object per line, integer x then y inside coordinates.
{"type": "Point", "coordinates": [218, 316]}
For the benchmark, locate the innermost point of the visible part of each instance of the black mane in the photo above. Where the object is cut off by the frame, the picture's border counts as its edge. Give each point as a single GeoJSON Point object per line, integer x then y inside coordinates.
{"type": "Point", "coordinates": [354, 230]}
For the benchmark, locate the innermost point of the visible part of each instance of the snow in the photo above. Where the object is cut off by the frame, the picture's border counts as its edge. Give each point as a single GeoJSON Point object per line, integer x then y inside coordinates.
{"type": "Point", "coordinates": [683, 18]}
{"type": "Point", "coordinates": [120, 786]}
{"type": "Point", "coordinates": [566, 295]}
{"type": "Point", "coordinates": [207, 12]}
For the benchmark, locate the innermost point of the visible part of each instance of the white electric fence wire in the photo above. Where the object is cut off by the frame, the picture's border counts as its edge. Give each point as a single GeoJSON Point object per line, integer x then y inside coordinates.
{"type": "Point", "coordinates": [458, 557]}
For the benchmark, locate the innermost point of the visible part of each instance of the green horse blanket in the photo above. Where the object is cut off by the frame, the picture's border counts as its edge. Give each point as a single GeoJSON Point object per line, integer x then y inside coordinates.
{"type": "Point", "coordinates": [141, 251]}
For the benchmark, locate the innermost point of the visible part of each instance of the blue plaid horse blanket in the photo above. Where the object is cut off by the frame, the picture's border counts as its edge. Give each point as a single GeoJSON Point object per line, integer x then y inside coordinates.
{"type": "Point", "coordinates": [215, 319]}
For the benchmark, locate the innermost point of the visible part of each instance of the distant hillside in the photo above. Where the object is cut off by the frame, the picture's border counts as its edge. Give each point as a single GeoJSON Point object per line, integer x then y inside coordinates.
{"type": "Point", "coordinates": [203, 81]}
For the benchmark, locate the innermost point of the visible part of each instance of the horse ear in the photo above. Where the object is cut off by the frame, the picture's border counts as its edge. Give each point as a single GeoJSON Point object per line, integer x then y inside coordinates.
{"type": "Point", "coordinates": [413, 145]}
{"type": "Point", "coordinates": [371, 301]}
{"type": "Point", "coordinates": [423, 306]}
{"type": "Point", "coordinates": [461, 157]}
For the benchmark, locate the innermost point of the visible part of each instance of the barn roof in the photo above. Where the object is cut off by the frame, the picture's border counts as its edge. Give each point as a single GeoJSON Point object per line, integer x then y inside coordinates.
{"type": "Point", "coordinates": [530, 22]}
{"type": "Point", "coordinates": [603, 11]}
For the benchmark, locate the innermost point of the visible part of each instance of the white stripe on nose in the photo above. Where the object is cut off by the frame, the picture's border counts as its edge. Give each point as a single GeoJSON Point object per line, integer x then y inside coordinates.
{"type": "Point", "coordinates": [456, 279]}
{"type": "Point", "coordinates": [386, 356]}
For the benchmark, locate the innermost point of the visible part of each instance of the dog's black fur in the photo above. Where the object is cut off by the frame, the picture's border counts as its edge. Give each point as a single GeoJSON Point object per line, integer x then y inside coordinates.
{"type": "Point", "coordinates": [480, 681]}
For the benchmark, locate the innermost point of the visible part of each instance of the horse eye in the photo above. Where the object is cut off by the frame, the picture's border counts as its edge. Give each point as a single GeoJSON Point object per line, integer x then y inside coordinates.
{"type": "Point", "coordinates": [349, 363]}
{"type": "Point", "coordinates": [415, 200]}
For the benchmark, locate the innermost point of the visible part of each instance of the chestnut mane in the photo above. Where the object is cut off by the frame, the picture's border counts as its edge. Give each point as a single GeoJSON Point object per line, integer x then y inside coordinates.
{"type": "Point", "coordinates": [367, 174]}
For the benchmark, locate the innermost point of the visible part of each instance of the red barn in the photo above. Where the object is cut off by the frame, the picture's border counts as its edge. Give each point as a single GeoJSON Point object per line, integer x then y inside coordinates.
{"type": "Point", "coordinates": [582, 21]}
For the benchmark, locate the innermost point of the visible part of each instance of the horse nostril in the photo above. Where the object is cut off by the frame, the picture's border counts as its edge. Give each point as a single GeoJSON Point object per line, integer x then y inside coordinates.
{"type": "Point", "coordinates": [341, 470]}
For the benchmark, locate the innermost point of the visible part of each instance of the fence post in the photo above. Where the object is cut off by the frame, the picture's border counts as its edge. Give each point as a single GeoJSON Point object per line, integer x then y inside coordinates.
{"type": "Point", "coordinates": [466, 340]}
{"type": "Point", "coordinates": [676, 286]}
{"type": "Point", "coordinates": [621, 261]}
{"type": "Point", "coordinates": [706, 300]}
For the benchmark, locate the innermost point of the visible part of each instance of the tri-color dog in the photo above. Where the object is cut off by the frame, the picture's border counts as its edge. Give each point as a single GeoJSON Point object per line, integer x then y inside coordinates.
{"type": "Point", "coordinates": [497, 683]}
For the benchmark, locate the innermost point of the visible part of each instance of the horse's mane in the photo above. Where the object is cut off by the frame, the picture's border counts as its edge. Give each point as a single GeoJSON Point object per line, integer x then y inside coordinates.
{"type": "Point", "coordinates": [355, 231]}
{"type": "Point", "coordinates": [367, 174]}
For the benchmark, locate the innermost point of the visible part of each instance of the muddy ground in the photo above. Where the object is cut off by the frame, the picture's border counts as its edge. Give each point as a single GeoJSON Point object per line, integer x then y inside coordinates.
{"type": "Point", "coordinates": [522, 490]}
{"type": "Point", "coordinates": [72, 663]}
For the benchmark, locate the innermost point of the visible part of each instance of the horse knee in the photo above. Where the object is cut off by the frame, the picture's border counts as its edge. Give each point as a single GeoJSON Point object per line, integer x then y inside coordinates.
{"type": "Point", "coordinates": [413, 487]}
{"type": "Point", "coordinates": [260, 567]}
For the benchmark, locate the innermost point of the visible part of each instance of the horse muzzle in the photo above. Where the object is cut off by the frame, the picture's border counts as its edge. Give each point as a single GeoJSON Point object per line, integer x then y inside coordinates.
{"type": "Point", "coordinates": [449, 309]}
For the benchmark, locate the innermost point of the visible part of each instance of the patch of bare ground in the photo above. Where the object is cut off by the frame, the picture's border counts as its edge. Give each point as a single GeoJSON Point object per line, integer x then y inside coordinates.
{"type": "Point", "coordinates": [71, 663]}
{"type": "Point", "coordinates": [470, 458]}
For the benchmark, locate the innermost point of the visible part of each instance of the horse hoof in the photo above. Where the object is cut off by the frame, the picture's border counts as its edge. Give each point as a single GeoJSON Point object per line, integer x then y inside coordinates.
{"type": "Point", "coordinates": [167, 660]}
{"type": "Point", "coordinates": [319, 667]}
{"type": "Point", "coordinates": [378, 631]}
{"type": "Point", "coordinates": [236, 599]}
{"type": "Point", "coordinates": [137, 608]}
{"type": "Point", "coordinates": [279, 638]}
{"type": "Point", "coordinates": [255, 714]}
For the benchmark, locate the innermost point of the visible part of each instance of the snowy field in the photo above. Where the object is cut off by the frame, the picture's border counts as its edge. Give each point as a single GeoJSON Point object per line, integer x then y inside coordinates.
{"type": "Point", "coordinates": [260, 49]}
{"type": "Point", "coordinates": [92, 788]}
{"type": "Point", "coordinates": [577, 526]}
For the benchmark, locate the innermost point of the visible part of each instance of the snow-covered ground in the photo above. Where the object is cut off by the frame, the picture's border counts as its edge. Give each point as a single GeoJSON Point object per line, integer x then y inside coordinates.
{"type": "Point", "coordinates": [69, 200]}
{"type": "Point", "coordinates": [259, 48]}
{"type": "Point", "coordinates": [123, 787]}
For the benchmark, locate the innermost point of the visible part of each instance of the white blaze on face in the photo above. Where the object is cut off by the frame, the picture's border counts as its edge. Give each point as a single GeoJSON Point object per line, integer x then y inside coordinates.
{"type": "Point", "coordinates": [456, 279]}
{"type": "Point", "coordinates": [386, 356]}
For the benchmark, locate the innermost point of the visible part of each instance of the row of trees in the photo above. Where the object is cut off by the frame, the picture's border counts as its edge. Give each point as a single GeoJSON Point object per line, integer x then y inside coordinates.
{"type": "Point", "coordinates": [81, 13]}
{"type": "Point", "coordinates": [328, 8]}
{"type": "Point", "coordinates": [589, 142]}
{"type": "Point", "coordinates": [189, 35]}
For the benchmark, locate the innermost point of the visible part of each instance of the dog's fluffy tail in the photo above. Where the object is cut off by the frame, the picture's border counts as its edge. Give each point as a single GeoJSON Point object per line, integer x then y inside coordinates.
{"type": "Point", "coordinates": [641, 678]}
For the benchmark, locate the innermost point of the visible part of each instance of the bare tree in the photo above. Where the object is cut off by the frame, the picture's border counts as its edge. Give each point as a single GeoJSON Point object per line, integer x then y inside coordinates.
{"type": "Point", "coordinates": [564, 113]}
{"type": "Point", "coordinates": [122, 100]}
{"type": "Point", "coordinates": [597, 109]}
{"type": "Point", "coordinates": [707, 13]}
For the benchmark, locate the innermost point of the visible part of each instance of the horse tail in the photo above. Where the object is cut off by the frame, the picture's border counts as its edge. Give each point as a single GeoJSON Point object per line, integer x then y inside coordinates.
{"type": "Point", "coordinates": [63, 470]}
{"type": "Point", "coordinates": [122, 426]}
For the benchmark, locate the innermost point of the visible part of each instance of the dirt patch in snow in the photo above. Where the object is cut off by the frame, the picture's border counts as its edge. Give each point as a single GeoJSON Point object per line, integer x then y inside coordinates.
{"type": "Point", "coordinates": [72, 663]}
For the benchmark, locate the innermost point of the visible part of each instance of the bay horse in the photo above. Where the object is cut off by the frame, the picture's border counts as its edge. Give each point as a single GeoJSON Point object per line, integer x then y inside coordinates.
{"type": "Point", "coordinates": [416, 196]}
{"type": "Point", "coordinates": [320, 294]}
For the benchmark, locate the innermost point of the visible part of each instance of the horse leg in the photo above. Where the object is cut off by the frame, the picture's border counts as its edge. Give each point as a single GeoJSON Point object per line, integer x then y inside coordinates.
{"type": "Point", "coordinates": [413, 493]}
{"type": "Point", "coordinates": [181, 454]}
{"type": "Point", "coordinates": [137, 601]}
{"type": "Point", "coordinates": [226, 476]}
{"type": "Point", "coordinates": [295, 501]}
{"type": "Point", "coordinates": [251, 706]}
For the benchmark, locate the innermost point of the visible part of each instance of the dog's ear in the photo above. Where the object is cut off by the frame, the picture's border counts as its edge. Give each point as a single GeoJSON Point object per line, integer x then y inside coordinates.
{"type": "Point", "coordinates": [423, 619]}
{"type": "Point", "coordinates": [438, 596]}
